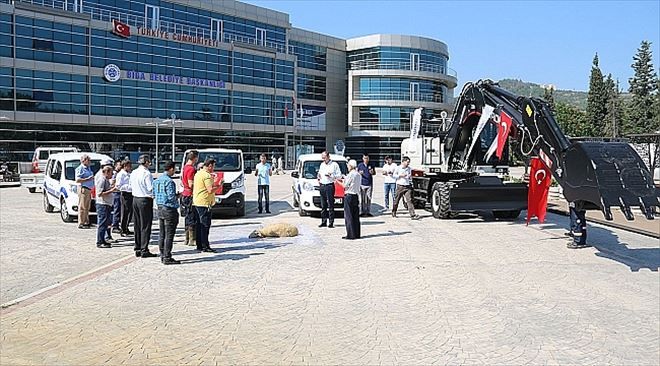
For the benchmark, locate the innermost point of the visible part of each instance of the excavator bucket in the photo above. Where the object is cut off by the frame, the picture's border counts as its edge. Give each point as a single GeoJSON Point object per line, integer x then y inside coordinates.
{"type": "Point", "coordinates": [609, 174]}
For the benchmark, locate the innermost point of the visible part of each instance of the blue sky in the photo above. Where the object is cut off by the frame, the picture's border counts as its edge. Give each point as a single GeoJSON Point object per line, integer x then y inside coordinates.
{"type": "Point", "coordinates": [547, 42]}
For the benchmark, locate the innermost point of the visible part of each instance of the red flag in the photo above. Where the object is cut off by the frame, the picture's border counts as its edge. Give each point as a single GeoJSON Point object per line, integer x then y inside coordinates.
{"type": "Point", "coordinates": [286, 110]}
{"type": "Point", "coordinates": [503, 129]}
{"type": "Point", "coordinates": [217, 178]}
{"type": "Point", "coordinates": [539, 185]}
{"type": "Point", "coordinates": [121, 29]}
{"type": "Point", "coordinates": [339, 190]}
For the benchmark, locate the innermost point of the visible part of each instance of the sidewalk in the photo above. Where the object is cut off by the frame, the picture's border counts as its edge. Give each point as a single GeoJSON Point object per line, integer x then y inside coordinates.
{"type": "Point", "coordinates": [558, 204]}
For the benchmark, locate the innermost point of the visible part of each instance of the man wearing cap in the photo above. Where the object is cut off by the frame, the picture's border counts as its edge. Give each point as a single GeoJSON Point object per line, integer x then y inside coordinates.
{"type": "Point", "coordinates": [106, 200]}
{"type": "Point", "coordinates": [143, 206]}
{"type": "Point", "coordinates": [85, 177]}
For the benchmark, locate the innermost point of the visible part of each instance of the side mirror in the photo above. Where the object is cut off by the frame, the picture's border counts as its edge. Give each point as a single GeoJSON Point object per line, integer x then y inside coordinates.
{"type": "Point", "coordinates": [295, 174]}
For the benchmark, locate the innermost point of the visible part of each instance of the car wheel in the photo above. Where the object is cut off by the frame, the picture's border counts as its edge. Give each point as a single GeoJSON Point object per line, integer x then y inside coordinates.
{"type": "Point", "coordinates": [240, 212]}
{"type": "Point", "coordinates": [47, 206]}
{"type": "Point", "coordinates": [32, 190]}
{"type": "Point", "coordinates": [64, 212]}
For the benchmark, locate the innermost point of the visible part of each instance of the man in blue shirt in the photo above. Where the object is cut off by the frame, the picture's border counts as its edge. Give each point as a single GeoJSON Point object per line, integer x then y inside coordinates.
{"type": "Point", "coordinates": [263, 171]}
{"type": "Point", "coordinates": [85, 177]}
{"type": "Point", "coordinates": [366, 185]}
{"type": "Point", "coordinates": [168, 216]}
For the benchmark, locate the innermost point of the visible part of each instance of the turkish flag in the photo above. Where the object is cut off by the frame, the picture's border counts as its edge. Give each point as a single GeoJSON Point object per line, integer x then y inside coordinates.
{"type": "Point", "coordinates": [339, 190]}
{"type": "Point", "coordinates": [217, 178]}
{"type": "Point", "coordinates": [503, 129]}
{"type": "Point", "coordinates": [539, 185]}
{"type": "Point", "coordinates": [121, 29]}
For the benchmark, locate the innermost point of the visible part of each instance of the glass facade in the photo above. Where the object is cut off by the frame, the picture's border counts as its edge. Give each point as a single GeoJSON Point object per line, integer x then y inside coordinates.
{"type": "Point", "coordinates": [397, 58]}
{"type": "Point", "coordinates": [223, 71]}
{"type": "Point", "coordinates": [379, 88]}
{"type": "Point", "coordinates": [309, 56]}
{"type": "Point", "coordinates": [389, 118]}
{"type": "Point", "coordinates": [311, 87]}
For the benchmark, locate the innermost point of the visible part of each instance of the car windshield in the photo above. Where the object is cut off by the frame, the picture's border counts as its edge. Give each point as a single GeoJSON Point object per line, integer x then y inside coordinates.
{"type": "Point", "coordinates": [311, 168]}
{"type": "Point", "coordinates": [224, 161]}
{"type": "Point", "coordinates": [71, 165]}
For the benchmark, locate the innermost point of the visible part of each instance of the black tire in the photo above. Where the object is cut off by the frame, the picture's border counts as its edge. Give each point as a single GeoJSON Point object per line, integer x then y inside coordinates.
{"type": "Point", "coordinates": [47, 206]}
{"type": "Point", "coordinates": [64, 212]}
{"type": "Point", "coordinates": [240, 212]}
{"type": "Point", "coordinates": [32, 189]}
{"type": "Point", "coordinates": [507, 214]}
{"type": "Point", "coordinates": [440, 204]}
{"type": "Point", "coordinates": [419, 205]}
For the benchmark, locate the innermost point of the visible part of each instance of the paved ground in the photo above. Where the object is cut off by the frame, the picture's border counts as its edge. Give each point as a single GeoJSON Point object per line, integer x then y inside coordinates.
{"type": "Point", "coordinates": [469, 290]}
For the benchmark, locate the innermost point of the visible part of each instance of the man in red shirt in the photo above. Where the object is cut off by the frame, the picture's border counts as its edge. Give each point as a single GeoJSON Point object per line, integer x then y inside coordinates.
{"type": "Point", "coordinates": [187, 178]}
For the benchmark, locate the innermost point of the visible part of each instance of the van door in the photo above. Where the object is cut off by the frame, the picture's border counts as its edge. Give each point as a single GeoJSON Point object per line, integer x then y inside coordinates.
{"type": "Point", "coordinates": [49, 185]}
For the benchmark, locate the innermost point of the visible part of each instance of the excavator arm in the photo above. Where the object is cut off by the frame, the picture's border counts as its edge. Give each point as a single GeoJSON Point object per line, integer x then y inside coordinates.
{"type": "Point", "coordinates": [593, 173]}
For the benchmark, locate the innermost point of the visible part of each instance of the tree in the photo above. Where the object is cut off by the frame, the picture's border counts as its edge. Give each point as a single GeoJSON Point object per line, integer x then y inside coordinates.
{"type": "Point", "coordinates": [642, 110]}
{"type": "Point", "coordinates": [614, 117]}
{"type": "Point", "coordinates": [549, 96]}
{"type": "Point", "coordinates": [573, 121]}
{"type": "Point", "coordinates": [596, 101]}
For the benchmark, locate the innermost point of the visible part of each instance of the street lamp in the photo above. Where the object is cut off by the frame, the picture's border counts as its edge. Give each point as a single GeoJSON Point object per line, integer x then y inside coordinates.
{"type": "Point", "coordinates": [162, 123]}
{"type": "Point", "coordinates": [174, 121]}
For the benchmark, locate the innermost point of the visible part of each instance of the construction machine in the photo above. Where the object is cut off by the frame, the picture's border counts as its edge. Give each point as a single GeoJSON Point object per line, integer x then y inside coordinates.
{"type": "Point", "coordinates": [456, 171]}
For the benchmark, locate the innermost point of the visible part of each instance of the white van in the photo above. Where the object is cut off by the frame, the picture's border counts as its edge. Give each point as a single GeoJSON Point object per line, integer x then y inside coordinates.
{"type": "Point", "coordinates": [35, 178]}
{"type": "Point", "coordinates": [60, 187]}
{"type": "Point", "coordinates": [230, 163]}
{"type": "Point", "coordinates": [306, 193]}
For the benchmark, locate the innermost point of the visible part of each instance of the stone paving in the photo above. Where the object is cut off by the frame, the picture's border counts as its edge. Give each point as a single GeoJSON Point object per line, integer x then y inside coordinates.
{"type": "Point", "coordinates": [465, 291]}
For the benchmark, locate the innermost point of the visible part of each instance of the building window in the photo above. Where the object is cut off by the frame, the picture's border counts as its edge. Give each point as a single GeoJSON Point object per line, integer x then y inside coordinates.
{"type": "Point", "coordinates": [39, 44]}
{"type": "Point", "coordinates": [151, 16]}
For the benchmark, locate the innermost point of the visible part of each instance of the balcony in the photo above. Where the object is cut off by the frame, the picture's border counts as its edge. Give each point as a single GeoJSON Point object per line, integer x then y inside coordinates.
{"type": "Point", "coordinates": [139, 21]}
{"type": "Point", "coordinates": [405, 96]}
{"type": "Point", "coordinates": [400, 65]}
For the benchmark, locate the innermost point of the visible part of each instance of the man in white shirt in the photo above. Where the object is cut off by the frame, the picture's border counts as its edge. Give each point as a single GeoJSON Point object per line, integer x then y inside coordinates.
{"type": "Point", "coordinates": [328, 172]}
{"type": "Point", "coordinates": [142, 187]}
{"type": "Point", "coordinates": [124, 185]}
{"type": "Point", "coordinates": [404, 188]}
{"type": "Point", "coordinates": [390, 180]}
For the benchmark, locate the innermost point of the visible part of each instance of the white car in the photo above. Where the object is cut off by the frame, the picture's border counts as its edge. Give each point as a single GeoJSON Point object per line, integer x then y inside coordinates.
{"type": "Point", "coordinates": [306, 194]}
{"type": "Point", "coordinates": [60, 187]}
{"type": "Point", "coordinates": [230, 163]}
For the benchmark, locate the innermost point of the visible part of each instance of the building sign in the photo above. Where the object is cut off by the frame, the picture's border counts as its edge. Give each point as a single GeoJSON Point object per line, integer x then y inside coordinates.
{"type": "Point", "coordinates": [111, 73]}
{"type": "Point", "coordinates": [157, 33]}
{"type": "Point", "coordinates": [121, 29]}
{"type": "Point", "coordinates": [175, 79]}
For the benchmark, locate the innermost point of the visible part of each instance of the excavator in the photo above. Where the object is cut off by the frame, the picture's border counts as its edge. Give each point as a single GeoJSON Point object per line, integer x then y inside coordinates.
{"type": "Point", "coordinates": [455, 172]}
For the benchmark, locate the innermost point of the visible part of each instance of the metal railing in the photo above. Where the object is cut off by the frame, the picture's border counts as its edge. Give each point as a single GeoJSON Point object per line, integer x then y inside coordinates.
{"type": "Point", "coordinates": [405, 96]}
{"type": "Point", "coordinates": [381, 126]}
{"type": "Point", "coordinates": [401, 65]}
{"type": "Point", "coordinates": [139, 20]}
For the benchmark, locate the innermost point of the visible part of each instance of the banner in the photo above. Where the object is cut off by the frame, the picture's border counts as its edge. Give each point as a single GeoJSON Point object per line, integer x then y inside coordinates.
{"type": "Point", "coordinates": [485, 116]}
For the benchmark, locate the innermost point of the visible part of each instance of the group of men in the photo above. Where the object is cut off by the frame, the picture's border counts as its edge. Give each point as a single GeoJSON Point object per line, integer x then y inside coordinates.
{"type": "Point", "coordinates": [398, 183]}
{"type": "Point", "coordinates": [123, 195]}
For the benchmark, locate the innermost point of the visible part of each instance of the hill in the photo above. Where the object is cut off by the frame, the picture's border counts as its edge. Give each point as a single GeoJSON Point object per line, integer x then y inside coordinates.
{"type": "Point", "coordinates": [572, 97]}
